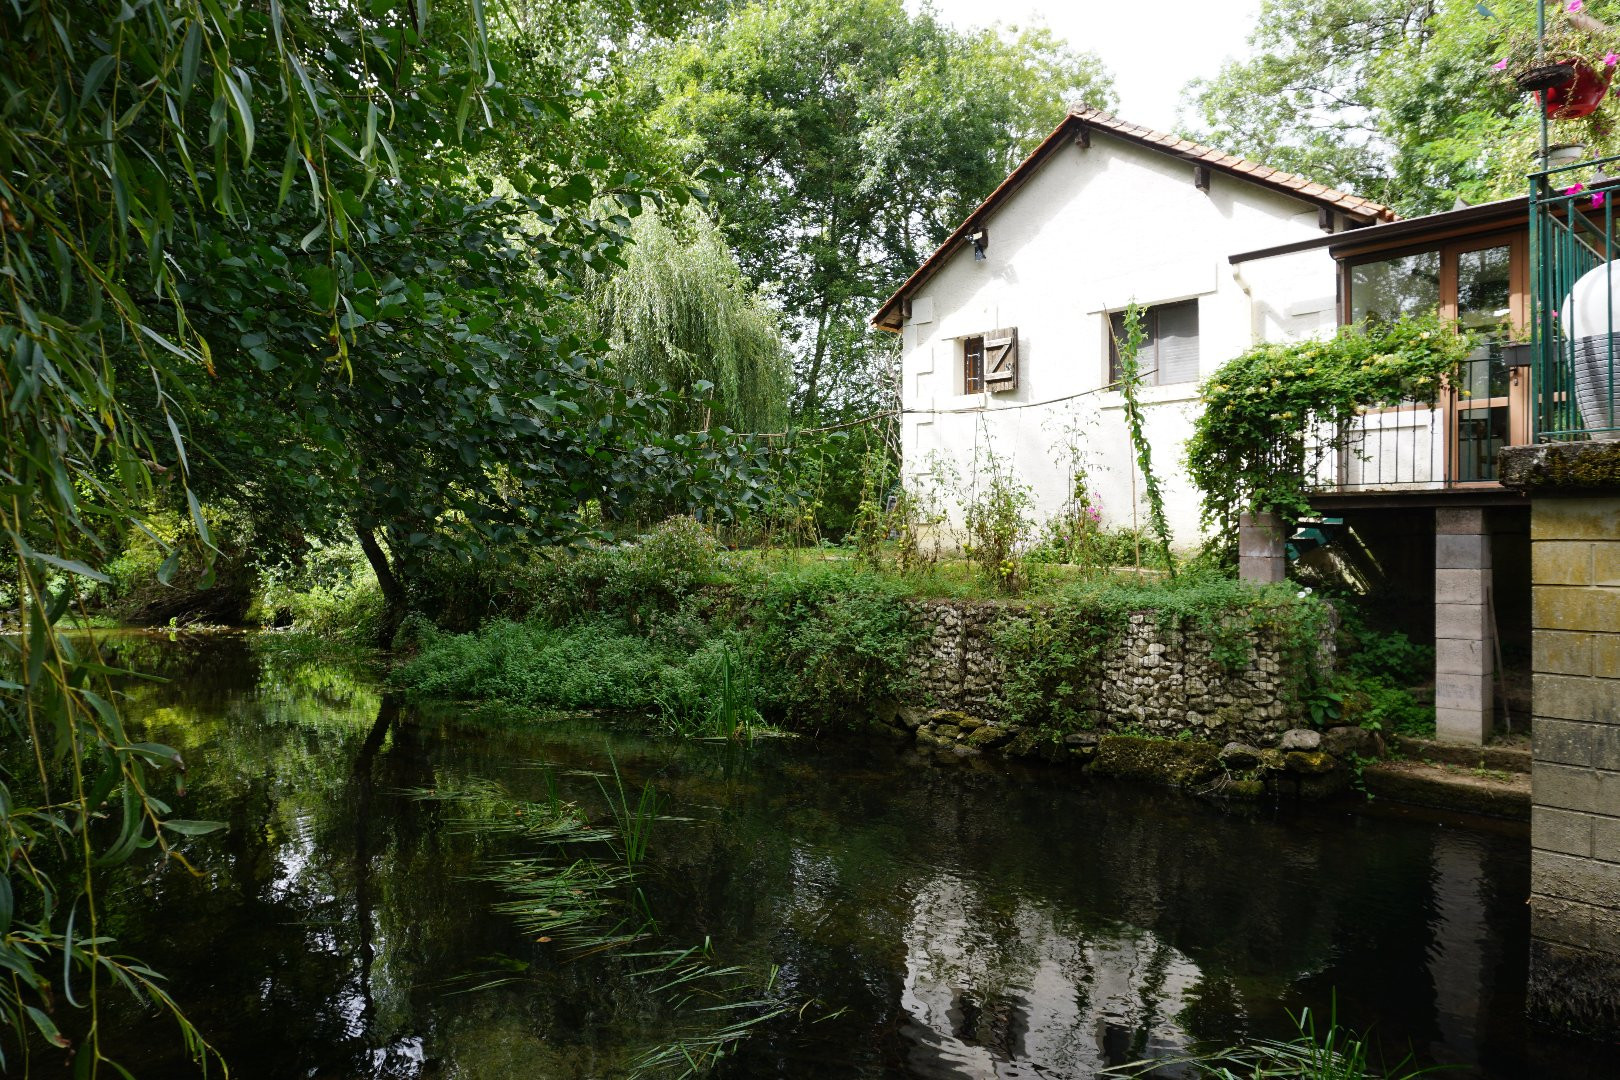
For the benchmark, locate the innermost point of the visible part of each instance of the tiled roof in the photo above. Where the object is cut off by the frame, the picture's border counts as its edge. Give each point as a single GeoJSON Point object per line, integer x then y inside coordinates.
{"type": "Point", "coordinates": [1081, 119]}
{"type": "Point", "coordinates": [1288, 182]}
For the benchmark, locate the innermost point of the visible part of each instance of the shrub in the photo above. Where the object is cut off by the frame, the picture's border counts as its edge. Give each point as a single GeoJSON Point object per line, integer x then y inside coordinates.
{"type": "Point", "coordinates": [632, 580]}
{"type": "Point", "coordinates": [829, 642]}
{"type": "Point", "coordinates": [589, 665]}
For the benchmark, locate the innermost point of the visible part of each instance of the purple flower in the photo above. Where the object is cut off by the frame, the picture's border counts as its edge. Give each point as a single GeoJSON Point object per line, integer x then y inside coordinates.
{"type": "Point", "coordinates": [1500, 65]}
{"type": "Point", "coordinates": [1574, 6]}
{"type": "Point", "coordinates": [1610, 59]}
{"type": "Point", "coordinates": [1575, 187]}
{"type": "Point", "coordinates": [1597, 199]}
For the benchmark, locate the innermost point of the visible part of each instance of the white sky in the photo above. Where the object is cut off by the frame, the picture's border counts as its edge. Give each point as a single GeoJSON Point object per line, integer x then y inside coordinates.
{"type": "Point", "coordinates": [1153, 48]}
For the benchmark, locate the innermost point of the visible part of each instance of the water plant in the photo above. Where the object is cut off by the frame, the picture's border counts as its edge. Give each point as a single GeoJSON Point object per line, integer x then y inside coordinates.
{"type": "Point", "coordinates": [574, 885]}
{"type": "Point", "coordinates": [1337, 1053]}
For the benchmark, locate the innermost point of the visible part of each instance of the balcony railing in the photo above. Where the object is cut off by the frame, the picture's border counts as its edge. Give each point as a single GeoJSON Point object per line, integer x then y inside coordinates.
{"type": "Point", "coordinates": [1419, 447]}
{"type": "Point", "coordinates": [1576, 394]}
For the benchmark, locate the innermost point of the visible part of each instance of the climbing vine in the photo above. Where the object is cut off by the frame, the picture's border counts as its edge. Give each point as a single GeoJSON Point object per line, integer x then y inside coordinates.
{"type": "Point", "coordinates": [1275, 413]}
{"type": "Point", "coordinates": [1130, 378]}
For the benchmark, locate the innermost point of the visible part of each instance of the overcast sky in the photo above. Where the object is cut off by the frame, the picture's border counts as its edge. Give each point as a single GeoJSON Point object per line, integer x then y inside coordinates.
{"type": "Point", "coordinates": [1153, 49]}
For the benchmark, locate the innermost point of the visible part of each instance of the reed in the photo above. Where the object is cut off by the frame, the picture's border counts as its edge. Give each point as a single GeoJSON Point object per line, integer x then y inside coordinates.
{"type": "Point", "coordinates": [1337, 1053]}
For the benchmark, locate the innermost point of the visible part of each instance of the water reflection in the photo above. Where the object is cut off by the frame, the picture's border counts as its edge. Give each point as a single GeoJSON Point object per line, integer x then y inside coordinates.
{"type": "Point", "coordinates": [946, 922]}
{"type": "Point", "coordinates": [1011, 993]}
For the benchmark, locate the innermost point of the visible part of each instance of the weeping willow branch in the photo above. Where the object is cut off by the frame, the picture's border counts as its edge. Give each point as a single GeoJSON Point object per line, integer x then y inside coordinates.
{"type": "Point", "coordinates": [680, 313]}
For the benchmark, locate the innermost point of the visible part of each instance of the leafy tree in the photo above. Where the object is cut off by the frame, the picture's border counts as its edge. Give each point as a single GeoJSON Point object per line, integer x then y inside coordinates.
{"type": "Point", "coordinates": [273, 229]}
{"type": "Point", "coordinates": [854, 137]}
{"type": "Point", "coordinates": [1393, 99]}
{"type": "Point", "coordinates": [680, 313]}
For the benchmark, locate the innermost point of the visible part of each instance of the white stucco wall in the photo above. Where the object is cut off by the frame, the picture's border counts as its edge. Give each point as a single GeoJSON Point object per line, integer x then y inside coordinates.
{"type": "Point", "coordinates": [1092, 230]}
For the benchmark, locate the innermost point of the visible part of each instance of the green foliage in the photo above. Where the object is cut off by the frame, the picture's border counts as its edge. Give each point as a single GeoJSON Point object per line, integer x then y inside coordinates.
{"type": "Point", "coordinates": [1378, 669]}
{"type": "Point", "coordinates": [1053, 654]}
{"type": "Point", "coordinates": [1273, 414]}
{"type": "Point", "coordinates": [998, 518]}
{"type": "Point", "coordinates": [828, 642]}
{"type": "Point", "coordinates": [330, 592]}
{"type": "Point", "coordinates": [632, 581]}
{"type": "Point", "coordinates": [854, 137]}
{"type": "Point", "coordinates": [680, 313]}
{"type": "Point", "coordinates": [1393, 99]}
{"type": "Point", "coordinates": [1130, 380]}
{"type": "Point", "coordinates": [587, 665]}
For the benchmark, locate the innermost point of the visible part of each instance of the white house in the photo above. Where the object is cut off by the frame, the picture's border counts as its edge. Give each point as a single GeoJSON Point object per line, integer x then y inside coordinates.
{"type": "Point", "coordinates": [1007, 325]}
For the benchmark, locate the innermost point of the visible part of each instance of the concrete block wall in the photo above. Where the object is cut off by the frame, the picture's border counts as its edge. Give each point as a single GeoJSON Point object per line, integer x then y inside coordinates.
{"type": "Point", "coordinates": [1463, 664]}
{"type": "Point", "coordinates": [1262, 556]}
{"type": "Point", "coordinates": [1575, 820]}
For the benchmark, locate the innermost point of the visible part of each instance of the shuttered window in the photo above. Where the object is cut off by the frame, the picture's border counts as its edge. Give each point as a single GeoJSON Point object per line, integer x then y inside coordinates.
{"type": "Point", "coordinates": [1170, 350]}
{"type": "Point", "coordinates": [972, 365]}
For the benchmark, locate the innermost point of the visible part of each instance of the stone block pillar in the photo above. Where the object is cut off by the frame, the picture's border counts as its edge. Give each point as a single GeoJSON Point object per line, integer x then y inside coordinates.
{"type": "Point", "coordinates": [1463, 656]}
{"type": "Point", "coordinates": [1261, 556]}
{"type": "Point", "coordinates": [1575, 772]}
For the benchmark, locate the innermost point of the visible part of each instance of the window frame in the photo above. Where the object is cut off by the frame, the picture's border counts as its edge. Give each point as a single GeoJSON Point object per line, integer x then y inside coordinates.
{"type": "Point", "coordinates": [1450, 248]}
{"type": "Point", "coordinates": [1111, 350]}
{"type": "Point", "coordinates": [969, 378]}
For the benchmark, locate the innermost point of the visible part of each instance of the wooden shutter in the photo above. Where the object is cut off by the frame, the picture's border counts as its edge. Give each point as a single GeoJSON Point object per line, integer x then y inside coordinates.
{"type": "Point", "coordinates": [1001, 359]}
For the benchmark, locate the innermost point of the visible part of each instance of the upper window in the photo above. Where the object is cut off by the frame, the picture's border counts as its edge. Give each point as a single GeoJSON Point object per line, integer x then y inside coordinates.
{"type": "Point", "coordinates": [1169, 352]}
{"type": "Point", "coordinates": [1405, 285]}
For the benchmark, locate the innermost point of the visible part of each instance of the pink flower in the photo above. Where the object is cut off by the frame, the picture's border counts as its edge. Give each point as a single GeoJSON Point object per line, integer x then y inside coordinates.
{"type": "Point", "coordinates": [1573, 188]}
{"type": "Point", "coordinates": [1501, 65]}
{"type": "Point", "coordinates": [1610, 59]}
{"type": "Point", "coordinates": [1597, 199]}
{"type": "Point", "coordinates": [1574, 6]}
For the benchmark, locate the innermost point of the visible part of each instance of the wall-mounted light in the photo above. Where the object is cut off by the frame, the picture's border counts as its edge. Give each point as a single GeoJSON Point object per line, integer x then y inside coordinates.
{"type": "Point", "coordinates": [981, 240]}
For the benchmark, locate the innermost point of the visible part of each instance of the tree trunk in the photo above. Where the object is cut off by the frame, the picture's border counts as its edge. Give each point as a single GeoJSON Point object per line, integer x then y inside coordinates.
{"type": "Point", "coordinates": [393, 592]}
{"type": "Point", "coordinates": [811, 381]}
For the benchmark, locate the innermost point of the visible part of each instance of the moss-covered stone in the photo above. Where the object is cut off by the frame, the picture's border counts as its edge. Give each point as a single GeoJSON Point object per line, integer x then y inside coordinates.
{"type": "Point", "coordinates": [1581, 466]}
{"type": "Point", "coordinates": [1242, 789]}
{"type": "Point", "coordinates": [1309, 762]}
{"type": "Point", "coordinates": [1176, 762]}
{"type": "Point", "coordinates": [987, 736]}
{"type": "Point", "coordinates": [946, 731]}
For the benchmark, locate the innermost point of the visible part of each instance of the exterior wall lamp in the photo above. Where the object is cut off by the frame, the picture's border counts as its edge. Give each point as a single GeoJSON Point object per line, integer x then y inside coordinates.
{"type": "Point", "coordinates": [981, 240]}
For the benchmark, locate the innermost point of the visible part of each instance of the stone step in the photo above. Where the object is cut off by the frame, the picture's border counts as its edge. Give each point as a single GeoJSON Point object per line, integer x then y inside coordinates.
{"type": "Point", "coordinates": [1510, 759]}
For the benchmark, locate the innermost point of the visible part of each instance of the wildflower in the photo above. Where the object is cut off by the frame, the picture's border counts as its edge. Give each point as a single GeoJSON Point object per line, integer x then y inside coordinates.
{"type": "Point", "coordinates": [1597, 200]}
{"type": "Point", "coordinates": [1574, 188]}
{"type": "Point", "coordinates": [1574, 6]}
{"type": "Point", "coordinates": [1610, 59]}
{"type": "Point", "coordinates": [1303, 593]}
{"type": "Point", "coordinates": [1500, 65]}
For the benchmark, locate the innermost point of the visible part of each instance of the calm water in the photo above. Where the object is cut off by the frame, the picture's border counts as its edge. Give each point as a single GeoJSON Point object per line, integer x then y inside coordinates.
{"type": "Point", "coordinates": [940, 920]}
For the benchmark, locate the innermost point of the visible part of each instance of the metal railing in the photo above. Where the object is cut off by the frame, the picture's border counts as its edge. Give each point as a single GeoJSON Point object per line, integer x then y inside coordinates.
{"type": "Point", "coordinates": [1416, 446]}
{"type": "Point", "coordinates": [1576, 354]}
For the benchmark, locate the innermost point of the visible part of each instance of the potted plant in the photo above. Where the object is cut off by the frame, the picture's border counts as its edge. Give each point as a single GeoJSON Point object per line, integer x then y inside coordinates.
{"type": "Point", "coordinates": [1569, 68]}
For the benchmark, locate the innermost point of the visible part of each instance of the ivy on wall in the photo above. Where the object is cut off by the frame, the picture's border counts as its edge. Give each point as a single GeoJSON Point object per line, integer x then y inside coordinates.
{"type": "Point", "coordinates": [1276, 412]}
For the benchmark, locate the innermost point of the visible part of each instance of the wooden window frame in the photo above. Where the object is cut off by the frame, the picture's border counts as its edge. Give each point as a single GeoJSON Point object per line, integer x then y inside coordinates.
{"type": "Point", "coordinates": [1517, 241]}
{"type": "Point", "coordinates": [973, 364]}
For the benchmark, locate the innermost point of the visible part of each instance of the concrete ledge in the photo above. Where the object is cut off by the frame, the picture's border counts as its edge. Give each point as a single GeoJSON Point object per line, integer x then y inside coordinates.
{"type": "Point", "coordinates": [1439, 786]}
{"type": "Point", "coordinates": [1513, 759]}
{"type": "Point", "coordinates": [1564, 466]}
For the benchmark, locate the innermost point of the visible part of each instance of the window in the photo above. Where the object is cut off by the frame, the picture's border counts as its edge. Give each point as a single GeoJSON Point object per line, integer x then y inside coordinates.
{"type": "Point", "coordinates": [972, 365]}
{"type": "Point", "coordinates": [1169, 351]}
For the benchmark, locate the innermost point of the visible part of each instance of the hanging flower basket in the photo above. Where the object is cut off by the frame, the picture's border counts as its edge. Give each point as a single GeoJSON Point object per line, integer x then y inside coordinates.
{"type": "Point", "coordinates": [1544, 77]}
{"type": "Point", "coordinates": [1578, 97]}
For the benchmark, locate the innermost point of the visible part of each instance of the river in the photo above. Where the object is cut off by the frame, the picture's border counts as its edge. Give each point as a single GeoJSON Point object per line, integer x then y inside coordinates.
{"type": "Point", "coordinates": [921, 919]}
